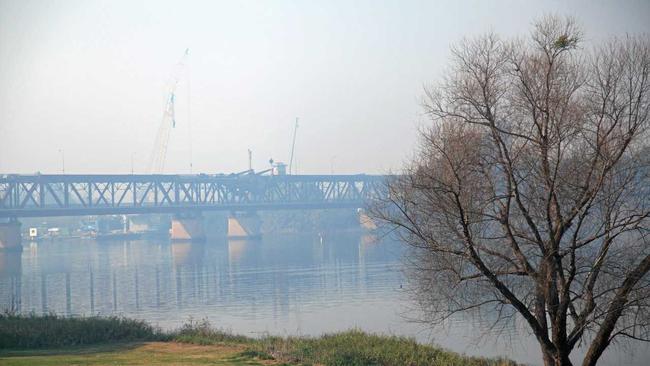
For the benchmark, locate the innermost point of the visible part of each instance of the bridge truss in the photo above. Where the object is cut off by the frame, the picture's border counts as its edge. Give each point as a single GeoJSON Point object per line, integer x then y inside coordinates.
{"type": "Point", "coordinates": [72, 195]}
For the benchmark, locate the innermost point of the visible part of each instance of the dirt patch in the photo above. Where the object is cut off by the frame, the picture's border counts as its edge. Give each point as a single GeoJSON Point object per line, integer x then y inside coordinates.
{"type": "Point", "coordinates": [188, 351]}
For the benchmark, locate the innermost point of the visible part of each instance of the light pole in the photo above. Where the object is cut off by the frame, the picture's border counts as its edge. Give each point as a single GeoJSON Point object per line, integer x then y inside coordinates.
{"type": "Point", "coordinates": [62, 161]}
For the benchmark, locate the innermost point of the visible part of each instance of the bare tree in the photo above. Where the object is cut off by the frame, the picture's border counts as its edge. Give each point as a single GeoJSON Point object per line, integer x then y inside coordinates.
{"type": "Point", "coordinates": [529, 195]}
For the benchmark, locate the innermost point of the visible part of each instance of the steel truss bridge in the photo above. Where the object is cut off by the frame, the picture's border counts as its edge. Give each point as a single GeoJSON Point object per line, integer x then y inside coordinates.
{"type": "Point", "coordinates": [76, 195]}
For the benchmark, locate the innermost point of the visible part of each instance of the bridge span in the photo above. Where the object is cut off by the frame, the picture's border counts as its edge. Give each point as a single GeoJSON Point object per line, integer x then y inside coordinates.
{"type": "Point", "coordinates": [72, 195]}
{"type": "Point", "coordinates": [43, 195]}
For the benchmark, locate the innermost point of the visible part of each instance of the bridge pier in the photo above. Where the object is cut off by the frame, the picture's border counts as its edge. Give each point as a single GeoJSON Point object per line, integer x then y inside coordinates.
{"type": "Point", "coordinates": [366, 221]}
{"type": "Point", "coordinates": [10, 238]}
{"type": "Point", "coordinates": [187, 227]}
{"type": "Point", "coordinates": [244, 225]}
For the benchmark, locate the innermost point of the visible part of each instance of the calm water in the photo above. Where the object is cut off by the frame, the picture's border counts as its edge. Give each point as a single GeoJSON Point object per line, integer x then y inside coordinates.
{"type": "Point", "coordinates": [280, 285]}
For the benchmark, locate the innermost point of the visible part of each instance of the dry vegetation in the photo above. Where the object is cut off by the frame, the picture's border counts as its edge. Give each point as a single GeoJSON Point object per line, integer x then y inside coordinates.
{"type": "Point", "coordinates": [529, 197]}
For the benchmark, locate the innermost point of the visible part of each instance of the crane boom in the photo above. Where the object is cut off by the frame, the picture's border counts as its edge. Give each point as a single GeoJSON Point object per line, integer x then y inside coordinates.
{"type": "Point", "coordinates": [159, 151]}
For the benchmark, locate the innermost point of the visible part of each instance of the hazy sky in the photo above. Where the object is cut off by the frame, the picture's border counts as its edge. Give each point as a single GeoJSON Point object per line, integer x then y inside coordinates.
{"type": "Point", "coordinates": [88, 77]}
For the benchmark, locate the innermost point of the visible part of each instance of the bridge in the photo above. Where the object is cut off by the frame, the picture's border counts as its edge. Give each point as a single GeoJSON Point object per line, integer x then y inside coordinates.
{"type": "Point", "coordinates": [186, 196]}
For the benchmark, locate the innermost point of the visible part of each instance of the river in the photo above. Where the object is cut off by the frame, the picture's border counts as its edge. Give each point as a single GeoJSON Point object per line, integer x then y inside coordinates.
{"type": "Point", "coordinates": [287, 285]}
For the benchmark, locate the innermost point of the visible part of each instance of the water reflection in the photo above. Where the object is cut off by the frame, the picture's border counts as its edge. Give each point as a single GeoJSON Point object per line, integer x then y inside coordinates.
{"type": "Point", "coordinates": [11, 277]}
{"type": "Point", "coordinates": [251, 279]}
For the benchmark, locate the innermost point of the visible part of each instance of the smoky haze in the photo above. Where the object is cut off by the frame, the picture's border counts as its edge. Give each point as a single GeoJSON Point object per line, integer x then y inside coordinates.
{"type": "Point", "coordinates": [84, 81]}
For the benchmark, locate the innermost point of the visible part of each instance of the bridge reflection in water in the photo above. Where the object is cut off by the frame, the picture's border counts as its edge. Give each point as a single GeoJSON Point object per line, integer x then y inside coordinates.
{"type": "Point", "coordinates": [11, 279]}
{"type": "Point", "coordinates": [226, 279]}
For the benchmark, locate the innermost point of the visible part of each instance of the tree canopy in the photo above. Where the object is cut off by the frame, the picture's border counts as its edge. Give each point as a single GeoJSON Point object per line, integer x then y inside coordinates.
{"type": "Point", "coordinates": [529, 194]}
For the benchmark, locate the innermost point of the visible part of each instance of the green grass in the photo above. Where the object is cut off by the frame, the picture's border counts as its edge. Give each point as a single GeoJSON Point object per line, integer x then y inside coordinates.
{"type": "Point", "coordinates": [201, 332]}
{"type": "Point", "coordinates": [154, 353]}
{"type": "Point", "coordinates": [54, 340]}
{"type": "Point", "coordinates": [52, 331]}
{"type": "Point", "coordinates": [350, 348]}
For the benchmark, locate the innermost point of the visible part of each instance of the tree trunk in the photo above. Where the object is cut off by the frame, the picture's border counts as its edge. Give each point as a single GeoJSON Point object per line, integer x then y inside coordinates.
{"type": "Point", "coordinates": [562, 360]}
{"type": "Point", "coordinates": [553, 358]}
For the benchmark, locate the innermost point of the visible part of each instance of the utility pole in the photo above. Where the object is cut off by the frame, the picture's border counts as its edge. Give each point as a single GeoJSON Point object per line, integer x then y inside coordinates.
{"type": "Point", "coordinates": [62, 161]}
{"type": "Point", "coordinates": [293, 146]}
{"type": "Point", "coordinates": [250, 159]}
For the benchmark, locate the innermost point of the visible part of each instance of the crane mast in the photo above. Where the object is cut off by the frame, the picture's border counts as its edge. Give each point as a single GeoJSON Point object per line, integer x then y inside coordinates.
{"type": "Point", "coordinates": [159, 152]}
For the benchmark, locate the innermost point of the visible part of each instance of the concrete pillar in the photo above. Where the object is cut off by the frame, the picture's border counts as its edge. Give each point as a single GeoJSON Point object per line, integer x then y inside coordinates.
{"type": "Point", "coordinates": [10, 237]}
{"type": "Point", "coordinates": [187, 228]}
{"type": "Point", "coordinates": [244, 226]}
{"type": "Point", "coordinates": [139, 223]}
{"type": "Point", "coordinates": [366, 222]}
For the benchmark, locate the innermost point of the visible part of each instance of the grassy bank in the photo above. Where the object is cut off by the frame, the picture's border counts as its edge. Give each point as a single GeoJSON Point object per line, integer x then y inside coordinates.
{"type": "Point", "coordinates": [52, 331]}
{"type": "Point", "coordinates": [31, 340]}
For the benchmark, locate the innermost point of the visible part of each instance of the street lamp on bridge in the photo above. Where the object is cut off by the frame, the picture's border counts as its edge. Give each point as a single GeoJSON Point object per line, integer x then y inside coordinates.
{"type": "Point", "coordinates": [62, 161]}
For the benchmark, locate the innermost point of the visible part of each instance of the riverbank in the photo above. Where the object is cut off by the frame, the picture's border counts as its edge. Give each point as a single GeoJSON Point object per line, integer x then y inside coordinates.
{"type": "Point", "coordinates": [54, 340]}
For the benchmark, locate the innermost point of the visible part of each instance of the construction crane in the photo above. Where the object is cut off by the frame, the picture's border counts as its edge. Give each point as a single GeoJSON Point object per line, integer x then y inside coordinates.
{"type": "Point", "coordinates": [159, 152]}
